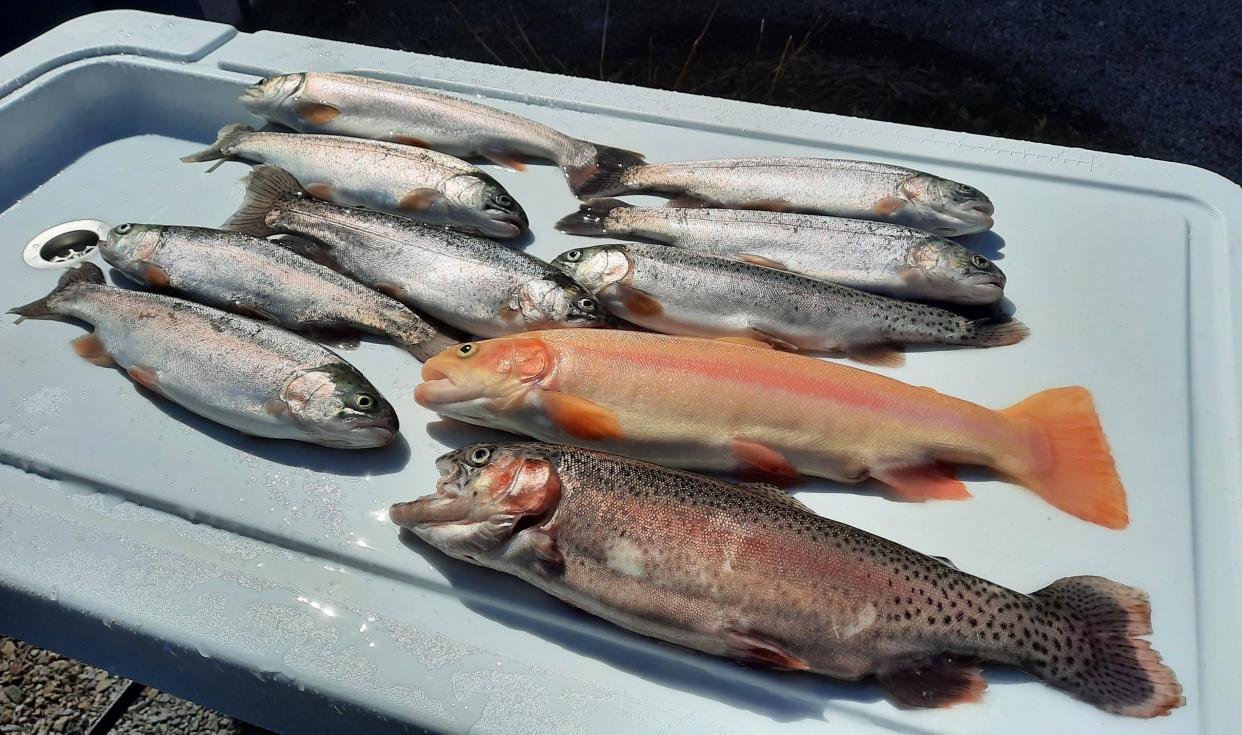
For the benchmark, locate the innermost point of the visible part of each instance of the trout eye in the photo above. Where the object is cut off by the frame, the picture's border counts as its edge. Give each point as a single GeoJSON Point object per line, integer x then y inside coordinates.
{"type": "Point", "coordinates": [122, 229]}
{"type": "Point", "coordinates": [586, 305]}
{"type": "Point", "coordinates": [979, 261]}
{"type": "Point", "coordinates": [363, 401]}
{"type": "Point", "coordinates": [479, 456]}
{"type": "Point", "coordinates": [573, 256]}
{"type": "Point", "coordinates": [503, 200]}
{"type": "Point", "coordinates": [466, 350]}
{"type": "Point", "coordinates": [966, 190]}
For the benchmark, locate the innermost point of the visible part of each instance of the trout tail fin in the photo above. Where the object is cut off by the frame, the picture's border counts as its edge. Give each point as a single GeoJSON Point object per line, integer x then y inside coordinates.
{"type": "Point", "coordinates": [228, 136]}
{"type": "Point", "coordinates": [424, 341]}
{"type": "Point", "coordinates": [601, 173]}
{"type": "Point", "coordinates": [591, 219]}
{"type": "Point", "coordinates": [1101, 659]}
{"type": "Point", "coordinates": [44, 308]}
{"type": "Point", "coordinates": [1068, 462]}
{"type": "Point", "coordinates": [989, 333]}
{"type": "Point", "coordinates": [265, 187]}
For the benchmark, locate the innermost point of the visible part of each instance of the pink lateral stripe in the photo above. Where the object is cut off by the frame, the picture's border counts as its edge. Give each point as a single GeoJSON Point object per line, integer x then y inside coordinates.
{"type": "Point", "coordinates": [770, 374]}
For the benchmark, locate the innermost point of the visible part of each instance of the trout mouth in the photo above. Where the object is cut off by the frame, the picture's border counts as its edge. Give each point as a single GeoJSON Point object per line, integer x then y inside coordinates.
{"type": "Point", "coordinates": [982, 292]}
{"type": "Point", "coordinates": [378, 433]}
{"type": "Point", "coordinates": [980, 208]}
{"type": "Point", "coordinates": [503, 225]}
{"type": "Point", "coordinates": [517, 220]}
{"type": "Point", "coordinates": [987, 280]}
{"type": "Point", "coordinates": [439, 388]}
{"type": "Point", "coordinates": [976, 214]}
{"type": "Point", "coordinates": [444, 507]}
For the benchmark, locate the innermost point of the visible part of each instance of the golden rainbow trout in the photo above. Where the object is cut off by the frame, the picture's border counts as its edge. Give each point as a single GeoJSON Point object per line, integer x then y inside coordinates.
{"type": "Point", "coordinates": [260, 279]}
{"type": "Point", "coordinates": [841, 188]}
{"type": "Point", "coordinates": [677, 291]}
{"type": "Point", "coordinates": [251, 376]}
{"type": "Point", "coordinates": [709, 404]}
{"type": "Point", "coordinates": [884, 258]}
{"type": "Point", "coordinates": [467, 282]}
{"type": "Point", "coordinates": [387, 177]}
{"type": "Point", "coordinates": [345, 104]}
{"type": "Point", "coordinates": [750, 573]}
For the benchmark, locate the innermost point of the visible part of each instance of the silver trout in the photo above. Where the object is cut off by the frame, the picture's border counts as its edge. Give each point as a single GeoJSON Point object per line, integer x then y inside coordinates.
{"type": "Point", "coordinates": [344, 104]}
{"type": "Point", "coordinates": [260, 279]}
{"type": "Point", "coordinates": [467, 282]}
{"type": "Point", "coordinates": [387, 177]}
{"type": "Point", "coordinates": [880, 257]}
{"type": "Point", "coordinates": [251, 376]}
{"type": "Point", "coordinates": [749, 573]}
{"type": "Point", "coordinates": [684, 292]}
{"type": "Point", "coordinates": [858, 189]}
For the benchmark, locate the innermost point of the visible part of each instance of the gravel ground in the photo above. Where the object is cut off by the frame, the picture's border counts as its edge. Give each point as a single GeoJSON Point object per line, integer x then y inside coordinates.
{"type": "Point", "coordinates": [42, 693]}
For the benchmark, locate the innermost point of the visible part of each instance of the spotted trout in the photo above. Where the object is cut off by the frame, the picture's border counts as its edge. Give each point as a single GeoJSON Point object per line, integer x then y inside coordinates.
{"type": "Point", "coordinates": [346, 104]}
{"type": "Point", "coordinates": [716, 405]}
{"type": "Point", "coordinates": [750, 573]}
{"type": "Point", "coordinates": [841, 188]}
{"type": "Point", "coordinates": [254, 377]}
{"type": "Point", "coordinates": [685, 292]}
{"type": "Point", "coordinates": [387, 177]}
{"type": "Point", "coordinates": [467, 282]}
{"type": "Point", "coordinates": [258, 278]}
{"type": "Point", "coordinates": [881, 257]}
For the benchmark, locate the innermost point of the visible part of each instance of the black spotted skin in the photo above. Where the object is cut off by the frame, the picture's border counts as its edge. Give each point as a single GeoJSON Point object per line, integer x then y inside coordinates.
{"type": "Point", "coordinates": [745, 572]}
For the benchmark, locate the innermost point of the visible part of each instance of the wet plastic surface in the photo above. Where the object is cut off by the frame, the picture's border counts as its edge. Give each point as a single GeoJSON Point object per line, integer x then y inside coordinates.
{"type": "Point", "coordinates": [263, 579]}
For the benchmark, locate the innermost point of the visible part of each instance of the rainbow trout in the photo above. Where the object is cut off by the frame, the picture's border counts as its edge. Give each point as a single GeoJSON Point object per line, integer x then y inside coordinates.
{"type": "Point", "coordinates": [750, 573]}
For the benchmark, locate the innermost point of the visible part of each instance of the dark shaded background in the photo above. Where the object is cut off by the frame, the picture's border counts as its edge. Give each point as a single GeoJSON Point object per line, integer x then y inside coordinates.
{"type": "Point", "coordinates": [1139, 77]}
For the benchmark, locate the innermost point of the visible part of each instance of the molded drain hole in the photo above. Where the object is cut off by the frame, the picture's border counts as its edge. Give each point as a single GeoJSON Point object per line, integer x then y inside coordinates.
{"type": "Point", "coordinates": [68, 246]}
{"type": "Point", "coordinates": [65, 244]}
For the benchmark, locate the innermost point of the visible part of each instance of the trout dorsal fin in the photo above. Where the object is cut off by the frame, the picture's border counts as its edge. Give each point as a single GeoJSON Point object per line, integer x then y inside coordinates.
{"type": "Point", "coordinates": [774, 494]}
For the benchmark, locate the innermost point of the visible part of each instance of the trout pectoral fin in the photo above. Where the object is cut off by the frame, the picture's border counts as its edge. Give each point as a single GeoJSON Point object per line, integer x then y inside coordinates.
{"type": "Point", "coordinates": [146, 377]}
{"type": "Point", "coordinates": [638, 301]}
{"type": "Point", "coordinates": [912, 275]}
{"type": "Point", "coordinates": [881, 355]}
{"type": "Point", "coordinates": [888, 205]}
{"type": "Point", "coordinates": [543, 543]}
{"type": "Point", "coordinates": [767, 205]}
{"type": "Point", "coordinates": [760, 260]}
{"type": "Point", "coordinates": [774, 341]}
{"type": "Point", "coordinates": [774, 494]}
{"type": "Point", "coordinates": [756, 460]}
{"type": "Point", "coordinates": [419, 199]}
{"type": "Point", "coordinates": [410, 140]}
{"type": "Point", "coordinates": [391, 290]}
{"type": "Point", "coordinates": [508, 159]}
{"type": "Point", "coordinates": [686, 200]}
{"type": "Point", "coordinates": [748, 341]}
{"type": "Point", "coordinates": [90, 347]}
{"type": "Point", "coordinates": [945, 560]}
{"type": "Point", "coordinates": [943, 682]}
{"type": "Point", "coordinates": [581, 418]}
{"type": "Point", "coordinates": [251, 311]}
{"type": "Point", "coordinates": [316, 113]}
{"type": "Point", "coordinates": [275, 407]}
{"type": "Point", "coordinates": [155, 276]}
{"type": "Point", "coordinates": [923, 482]}
{"type": "Point", "coordinates": [759, 649]}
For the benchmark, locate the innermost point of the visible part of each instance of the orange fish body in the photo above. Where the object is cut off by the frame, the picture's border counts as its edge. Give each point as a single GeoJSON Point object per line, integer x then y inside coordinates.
{"type": "Point", "coordinates": [720, 405]}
